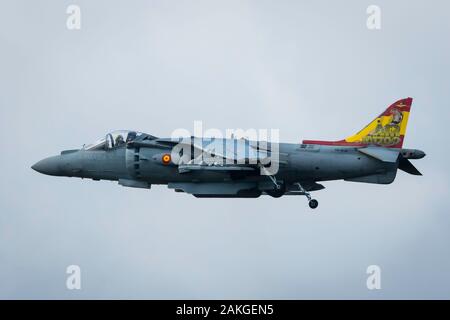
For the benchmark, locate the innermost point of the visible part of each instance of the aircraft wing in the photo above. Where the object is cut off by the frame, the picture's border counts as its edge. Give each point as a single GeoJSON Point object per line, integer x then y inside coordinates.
{"type": "Point", "coordinates": [183, 168]}
{"type": "Point", "coordinates": [223, 150]}
{"type": "Point", "coordinates": [239, 150]}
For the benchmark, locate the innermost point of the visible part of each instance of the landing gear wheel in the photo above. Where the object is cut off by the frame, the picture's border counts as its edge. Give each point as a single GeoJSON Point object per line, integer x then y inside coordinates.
{"type": "Point", "coordinates": [278, 191]}
{"type": "Point", "coordinates": [313, 203]}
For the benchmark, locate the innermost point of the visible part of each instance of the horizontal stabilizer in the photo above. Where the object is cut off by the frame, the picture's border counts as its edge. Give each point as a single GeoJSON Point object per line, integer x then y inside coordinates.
{"type": "Point", "coordinates": [382, 154]}
{"type": "Point", "coordinates": [408, 167]}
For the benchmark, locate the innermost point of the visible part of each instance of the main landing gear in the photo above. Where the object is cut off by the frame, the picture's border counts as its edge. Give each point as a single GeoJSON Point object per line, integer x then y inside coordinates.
{"type": "Point", "coordinates": [313, 203]}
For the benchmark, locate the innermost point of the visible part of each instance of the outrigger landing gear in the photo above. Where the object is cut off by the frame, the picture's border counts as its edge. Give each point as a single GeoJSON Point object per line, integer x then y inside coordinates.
{"type": "Point", "coordinates": [279, 188]}
{"type": "Point", "coordinates": [313, 203]}
{"type": "Point", "coordinates": [271, 177]}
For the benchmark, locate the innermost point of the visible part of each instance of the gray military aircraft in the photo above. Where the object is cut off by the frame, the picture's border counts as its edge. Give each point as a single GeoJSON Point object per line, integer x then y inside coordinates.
{"type": "Point", "coordinates": [240, 168]}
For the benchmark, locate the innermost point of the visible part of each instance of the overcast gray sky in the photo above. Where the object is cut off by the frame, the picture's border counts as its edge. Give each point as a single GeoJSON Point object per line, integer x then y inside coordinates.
{"type": "Point", "coordinates": [309, 68]}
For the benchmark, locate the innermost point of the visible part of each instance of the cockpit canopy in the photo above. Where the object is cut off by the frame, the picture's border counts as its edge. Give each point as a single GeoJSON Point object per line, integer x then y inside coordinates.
{"type": "Point", "coordinates": [114, 139]}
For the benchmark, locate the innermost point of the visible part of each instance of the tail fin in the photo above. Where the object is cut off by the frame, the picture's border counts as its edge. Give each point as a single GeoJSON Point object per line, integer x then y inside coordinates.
{"type": "Point", "coordinates": [387, 130]}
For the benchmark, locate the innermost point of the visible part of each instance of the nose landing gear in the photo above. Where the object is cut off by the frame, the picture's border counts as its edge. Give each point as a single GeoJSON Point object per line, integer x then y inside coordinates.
{"type": "Point", "coordinates": [313, 203]}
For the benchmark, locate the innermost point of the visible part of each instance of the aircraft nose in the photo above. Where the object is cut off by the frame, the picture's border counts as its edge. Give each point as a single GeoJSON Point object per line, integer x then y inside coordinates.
{"type": "Point", "coordinates": [49, 166]}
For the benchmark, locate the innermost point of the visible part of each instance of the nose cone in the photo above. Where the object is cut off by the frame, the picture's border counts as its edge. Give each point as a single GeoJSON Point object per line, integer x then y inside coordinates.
{"type": "Point", "coordinates": [50, 166]}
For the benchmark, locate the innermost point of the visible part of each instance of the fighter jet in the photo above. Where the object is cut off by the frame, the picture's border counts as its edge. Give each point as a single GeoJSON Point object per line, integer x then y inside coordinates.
{"type": "Point", "coordinates": [243, 168]}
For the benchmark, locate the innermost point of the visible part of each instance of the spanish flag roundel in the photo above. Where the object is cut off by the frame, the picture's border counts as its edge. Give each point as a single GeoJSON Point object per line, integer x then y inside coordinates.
{"type": "Point", "coordinates": [166, 158]}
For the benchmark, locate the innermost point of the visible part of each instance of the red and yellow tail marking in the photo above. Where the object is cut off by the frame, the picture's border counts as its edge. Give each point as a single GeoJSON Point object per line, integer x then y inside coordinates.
{"type": "Point", "coordinates": [387, 130]}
